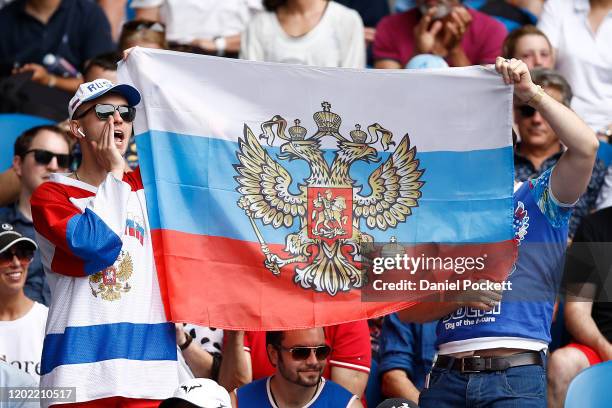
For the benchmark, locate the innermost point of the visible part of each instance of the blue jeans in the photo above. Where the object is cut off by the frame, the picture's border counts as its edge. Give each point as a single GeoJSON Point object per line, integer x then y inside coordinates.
{"type": "Point", "coordinates": [523, 387]}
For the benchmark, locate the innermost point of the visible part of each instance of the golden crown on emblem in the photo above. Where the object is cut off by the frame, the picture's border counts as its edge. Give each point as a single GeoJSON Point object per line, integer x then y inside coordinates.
{"type": "Point", "coordinates": [296, 131]}
{"type": "Point", "coordinates": [358, 135]}
{"type": "Point", "coordinates": [326, 120]}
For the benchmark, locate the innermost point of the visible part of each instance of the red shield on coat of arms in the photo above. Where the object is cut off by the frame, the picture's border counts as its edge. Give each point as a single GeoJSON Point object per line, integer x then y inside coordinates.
{"type": "Point", "coordinates": [109, 276]}
{"type": "Point", "coordinates": [330, 212]}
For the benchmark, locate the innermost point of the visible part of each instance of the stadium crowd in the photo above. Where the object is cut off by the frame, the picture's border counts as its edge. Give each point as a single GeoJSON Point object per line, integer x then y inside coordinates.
{"type": "Point", "coordinates": [58, 62]}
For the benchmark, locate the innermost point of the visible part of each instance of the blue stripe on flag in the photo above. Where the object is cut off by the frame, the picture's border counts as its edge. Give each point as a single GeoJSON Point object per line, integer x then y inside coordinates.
{"type": "Point", "coordinates": [90, 239]}
{"type": "Point", "coordinates": [89, 344]}
{"type": "Point", "coordinates": [197, 195]}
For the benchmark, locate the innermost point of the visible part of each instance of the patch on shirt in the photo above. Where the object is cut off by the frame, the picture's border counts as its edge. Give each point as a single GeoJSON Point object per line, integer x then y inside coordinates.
{"type": "Point", "coordinates": [521, 223]}
{"type": "Point", "coordinates": [114, 280]}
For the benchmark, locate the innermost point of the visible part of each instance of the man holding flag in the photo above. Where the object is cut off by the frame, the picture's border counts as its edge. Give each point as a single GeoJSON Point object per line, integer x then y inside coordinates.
{"type": "Point", "coordinates": [498, 359]}
{"type": "Point", "coordinates": [107, 333]}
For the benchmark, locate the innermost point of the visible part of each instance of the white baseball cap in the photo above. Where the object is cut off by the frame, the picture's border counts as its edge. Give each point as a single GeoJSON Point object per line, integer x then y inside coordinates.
{"type": "Point", "coordinates": [201, 392]}
{"type": "Point", "coordinates": [91, 90]}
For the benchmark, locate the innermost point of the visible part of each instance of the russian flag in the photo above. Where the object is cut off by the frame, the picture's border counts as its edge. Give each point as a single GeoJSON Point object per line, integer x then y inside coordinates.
{"type": "Point", "coordinates": [134, 229]}
{"type": "Point", "coordinates": [265, 182]}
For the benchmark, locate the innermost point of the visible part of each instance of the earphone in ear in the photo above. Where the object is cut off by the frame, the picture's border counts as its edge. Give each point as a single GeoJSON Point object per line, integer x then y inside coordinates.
{"type": "Point", "coordinates": [80, 132]}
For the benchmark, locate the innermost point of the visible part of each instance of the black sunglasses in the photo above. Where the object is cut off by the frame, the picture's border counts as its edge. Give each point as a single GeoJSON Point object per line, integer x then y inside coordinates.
{"type": "Point", "coordinates": [44, 157]}
{"type": "Point", "coordinates": [526, 111]}
{"type": "Point", "coordinates": [106, 110]}
{"type": "Point", "coordinates": [138, 25]}
{"type": "Point", "coordinates": [303, 352]}
{"type": "Point", "coordinates": [23, 254]}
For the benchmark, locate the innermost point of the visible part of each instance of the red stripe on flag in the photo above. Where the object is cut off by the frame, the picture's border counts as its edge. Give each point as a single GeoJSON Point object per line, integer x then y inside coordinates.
{"type": "Point", "coordinates": [221, 282]}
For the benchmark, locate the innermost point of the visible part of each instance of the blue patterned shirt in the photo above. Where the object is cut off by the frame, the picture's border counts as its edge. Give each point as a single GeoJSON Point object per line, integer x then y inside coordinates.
{"type": "Point", "coordinates": [525, 170]}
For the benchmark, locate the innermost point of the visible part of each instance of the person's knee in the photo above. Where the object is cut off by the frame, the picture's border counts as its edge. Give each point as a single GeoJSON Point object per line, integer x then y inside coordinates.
{"type": "Point", "coordinates": [564, 364]}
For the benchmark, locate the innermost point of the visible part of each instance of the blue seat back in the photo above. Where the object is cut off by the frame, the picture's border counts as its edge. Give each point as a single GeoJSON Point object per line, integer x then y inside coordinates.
{"type": "Point", "coordinates": [11, 126]}
{"type": "Point", "coordinates": [604, 153]}
{"type": "Point", "coordinates": [591, 388]}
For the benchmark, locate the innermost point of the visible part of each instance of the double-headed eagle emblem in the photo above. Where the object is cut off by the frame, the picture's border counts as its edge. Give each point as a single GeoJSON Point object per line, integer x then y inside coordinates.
{"type": "Point", "coordinates": [328, 207]}
{"type": "Point", "coordinates": [114, 280]}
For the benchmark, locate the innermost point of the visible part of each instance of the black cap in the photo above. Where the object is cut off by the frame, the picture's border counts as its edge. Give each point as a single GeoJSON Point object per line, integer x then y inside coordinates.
{"type": "Point", "coordinates": [10, 237]}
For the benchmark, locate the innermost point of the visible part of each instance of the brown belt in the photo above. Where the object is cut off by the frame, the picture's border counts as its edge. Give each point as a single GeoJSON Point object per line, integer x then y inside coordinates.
{"type": "Point", "coordinates": [476, 364]}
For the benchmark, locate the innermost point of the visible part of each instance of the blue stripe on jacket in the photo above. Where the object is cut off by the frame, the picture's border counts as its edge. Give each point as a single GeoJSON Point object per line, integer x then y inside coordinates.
{"type": "Point", "coordinates": [90, 344]}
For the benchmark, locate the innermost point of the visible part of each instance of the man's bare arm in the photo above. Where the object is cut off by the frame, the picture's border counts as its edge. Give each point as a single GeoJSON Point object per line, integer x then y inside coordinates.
{"type": "Point", "coordinates": [572, 172]}
{"type": "Point", "coordinates": [235, 370]}
{"type": "Point", "coordinates": [582, 327]}
{"type": "Point", "coordinates": [353, 380]}
{"type": "Point", "coordinates": [396, 384]}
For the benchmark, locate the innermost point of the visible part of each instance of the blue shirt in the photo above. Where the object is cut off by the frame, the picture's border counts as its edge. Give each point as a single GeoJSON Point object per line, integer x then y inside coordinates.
{"type": "Point", "coordinates": [541, 227]}
{"type": "Point", "coordinates": [407, 346]}
{"type": "Point", "coordinates": [36, 287]}
{"type": "Point", "coordinates": [77, 31]}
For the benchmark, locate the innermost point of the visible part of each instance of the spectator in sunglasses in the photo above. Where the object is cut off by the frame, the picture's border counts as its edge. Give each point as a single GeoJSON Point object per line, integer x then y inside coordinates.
{"type": "Point", "coordinates": [22, 320]}
{"type": "Point", "coordinates": [299, 357]}
{"type": "Point", "coordinates": [245, 357]}
{"type": "Point", "coordinates": [39, 152]}
{"type": "Point", "coordinates": [108, 335]}
{"type": "Point", "coordinates": [104, 66]}
{"type": "Point", "coordinates": [540, 148]}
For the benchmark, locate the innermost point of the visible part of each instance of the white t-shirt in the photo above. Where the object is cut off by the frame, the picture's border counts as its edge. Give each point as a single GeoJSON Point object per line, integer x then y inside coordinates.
{"type": "Point", "coordinates": [187, 20]}
{"type": "Point", "coordinates": [584, 58]}
{"type": "Point", "coordinates": [21, 340]}
{"type": "Point", "coordinates": [336, 41]}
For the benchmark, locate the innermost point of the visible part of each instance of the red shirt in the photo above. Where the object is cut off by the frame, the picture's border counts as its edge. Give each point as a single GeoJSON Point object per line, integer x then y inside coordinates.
{"type": "Point", "coordinates": [482, 41]}
{"type": "Point", "coordinates": [350, 343]}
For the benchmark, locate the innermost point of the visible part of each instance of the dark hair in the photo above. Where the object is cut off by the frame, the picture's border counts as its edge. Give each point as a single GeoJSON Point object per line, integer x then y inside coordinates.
{"type": "Point", "coordinates": [24, 141]}
{"type": "Point", "coordinates": [509, 46]}
{"type": "Point", "coordinates": [107, 62]}
{"type": "Point", "coordinates": [147, 30]}
{"type": "Point", "coordinates": [272, 5]}
{"type": "Point", "coordinates": [274, 338]}
{"type": "Point", "coordinates": [549, 78]}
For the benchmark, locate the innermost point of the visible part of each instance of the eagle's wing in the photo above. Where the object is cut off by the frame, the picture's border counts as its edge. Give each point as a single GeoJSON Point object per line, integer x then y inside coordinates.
{"type": "Point", "coordinates": [264, 184]}
{"type": "Point", "coordinates": [125, 268]}
{"type": "Point", "coordinates": [96, 277]}
{"type": "Point", "coordinates": [395, 189]}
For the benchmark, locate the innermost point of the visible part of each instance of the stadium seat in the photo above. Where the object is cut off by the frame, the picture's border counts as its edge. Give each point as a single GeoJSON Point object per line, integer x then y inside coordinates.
{"type": "Point", "coordinates": [11, 126]}
{"type": "Point", "coordinates": [591, 388]}
{"type": "Point", "coordinates": [604, 153]}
